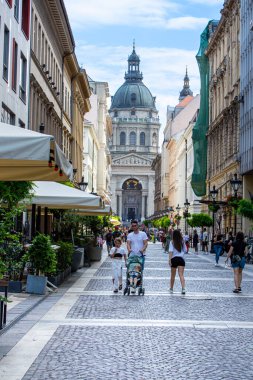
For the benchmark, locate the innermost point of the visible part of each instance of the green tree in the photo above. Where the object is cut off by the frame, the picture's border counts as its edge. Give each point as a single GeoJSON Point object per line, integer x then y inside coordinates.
{"type": "Point", "coordinates": [245, 208]}
{"type": "Point", "coordinates": [200, 220]}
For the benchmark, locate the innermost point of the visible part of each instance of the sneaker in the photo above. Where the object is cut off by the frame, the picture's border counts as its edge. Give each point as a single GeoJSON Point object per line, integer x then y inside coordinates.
{"type": "Point", "coordinates": [216, 265]}
{"type": "Point", "coordinates": [115, 291]}
{"type": "Point", "coordinates": [239, 289]}
{"type": "Point", "coordinates": [171, 290]}
{"type": "Point", "coordinates": [183, 291]}
{"type": "Point", "coordinates": [236, 291]}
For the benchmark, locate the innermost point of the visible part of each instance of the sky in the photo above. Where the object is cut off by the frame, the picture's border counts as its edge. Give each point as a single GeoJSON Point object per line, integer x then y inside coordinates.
{"type": "Point", "coordinates": [167, 38]}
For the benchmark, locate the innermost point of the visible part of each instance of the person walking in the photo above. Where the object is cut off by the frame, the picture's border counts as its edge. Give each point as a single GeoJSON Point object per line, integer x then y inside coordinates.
{"type": "Point", "coordinates": [195, 241]}
{"type": "Point", "coordinates": [177, 249]}
{"type": "Point", "coordinates": [237, 252]}
{"type": "Point", "coordinates": [117, 253]}
{"type": "Point", "coordinates": [205, 241]}
{"type": "Point", "coordinates": [218, 247]}
{"type": "Point", "coordinates": [186, 241]}
{"type": "Point", "coordinates": [109, 239]}
{"type": "Point", "coordinates": [116, 234]}
{"type": "Point", "coordinates": [137, 242]}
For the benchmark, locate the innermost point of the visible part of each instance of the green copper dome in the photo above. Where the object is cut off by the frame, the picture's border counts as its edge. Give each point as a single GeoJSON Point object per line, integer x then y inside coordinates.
{"type": "Point", "coordinates": [133, 93]}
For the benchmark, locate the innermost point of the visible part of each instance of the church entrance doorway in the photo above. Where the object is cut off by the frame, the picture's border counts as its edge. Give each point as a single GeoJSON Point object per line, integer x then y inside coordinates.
{"type": "Point", "coordinates": [131, 213]}
{"type": "Point", "coordinates": [131, 200]}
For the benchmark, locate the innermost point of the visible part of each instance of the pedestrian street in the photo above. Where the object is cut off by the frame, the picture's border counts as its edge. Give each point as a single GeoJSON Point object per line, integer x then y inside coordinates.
{"type": "Point", "coordinates": [89, 333]}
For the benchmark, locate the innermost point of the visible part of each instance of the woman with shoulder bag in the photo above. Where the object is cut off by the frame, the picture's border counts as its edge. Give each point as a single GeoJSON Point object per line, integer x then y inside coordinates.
{"type": "Point", "coordinates": [238, 259]}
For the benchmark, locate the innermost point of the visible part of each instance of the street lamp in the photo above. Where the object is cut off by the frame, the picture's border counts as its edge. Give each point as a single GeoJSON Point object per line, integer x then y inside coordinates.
{"type": "Point", "coordinates": [213, 194]}
{"type": "Point", "coordinates": [235, 183]}
{"type": "Point", "coordinates": [186, 213]}
{"type": "Point", "coordinates": [83, 184]}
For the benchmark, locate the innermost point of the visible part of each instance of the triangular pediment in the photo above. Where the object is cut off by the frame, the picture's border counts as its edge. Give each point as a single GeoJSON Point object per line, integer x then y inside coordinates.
{"type": "Point", "coordinates": [132, 159]}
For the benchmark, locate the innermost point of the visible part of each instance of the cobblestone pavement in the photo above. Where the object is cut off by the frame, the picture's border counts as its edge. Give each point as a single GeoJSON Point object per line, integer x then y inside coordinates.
{"type": "Point", "coordinates": [93, 334]}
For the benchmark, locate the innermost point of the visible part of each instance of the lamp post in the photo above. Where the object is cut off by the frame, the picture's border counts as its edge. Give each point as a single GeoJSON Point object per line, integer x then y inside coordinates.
{"type": "Point", "coordinates": [213, 194]}
{"type": "Point", "coordinates": [235, 183]}
{"type": "Point", "coordinates": [83, 184]}
{"type": "Point", "coordinates": [186, 213]}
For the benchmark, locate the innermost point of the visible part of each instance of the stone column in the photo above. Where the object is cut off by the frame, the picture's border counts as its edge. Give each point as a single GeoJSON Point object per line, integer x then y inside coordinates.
{"type": "Point", "coordinates": [142, 205]}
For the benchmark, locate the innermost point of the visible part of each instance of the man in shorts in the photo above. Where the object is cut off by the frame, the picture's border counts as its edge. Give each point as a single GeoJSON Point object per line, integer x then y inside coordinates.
{"type": "Point", "coordinates": [137, 242]}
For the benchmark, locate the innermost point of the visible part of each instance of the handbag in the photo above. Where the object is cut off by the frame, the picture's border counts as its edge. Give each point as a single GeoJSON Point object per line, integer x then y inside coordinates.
{"type": "Point", "coordinates": [235, 259]}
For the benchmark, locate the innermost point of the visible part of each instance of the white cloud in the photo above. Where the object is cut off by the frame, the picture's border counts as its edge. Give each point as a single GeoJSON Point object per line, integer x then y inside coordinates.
{"type": "Point", "coordinates": [163, 70]}
{"type": "Point", "coordinates": [142, 13]}
{"type": "Point", "coordinates": [187, 22]}
{"type": "Point", "coordinates": [207, 2]}
{"type": "Point", "coordinates": [124, 12]}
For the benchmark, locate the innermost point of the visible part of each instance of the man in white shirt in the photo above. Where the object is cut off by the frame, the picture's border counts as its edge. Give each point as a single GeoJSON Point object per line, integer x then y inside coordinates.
{"type": "Point", "coordinates": [137, 241]}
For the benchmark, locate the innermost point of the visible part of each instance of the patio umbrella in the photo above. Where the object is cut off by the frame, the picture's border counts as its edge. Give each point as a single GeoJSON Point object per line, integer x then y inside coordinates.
{"type": "Point", "coordinates": [27, 156]}
{"type": "Point", "coordinates": [56, 195]}
{"type": "Point", "coordinates": [115, 222]}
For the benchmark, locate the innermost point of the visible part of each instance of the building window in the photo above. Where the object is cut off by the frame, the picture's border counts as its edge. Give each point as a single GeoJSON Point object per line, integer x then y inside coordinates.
{"type": "Point", "coordinates": [14, 65]}
{"type": "Point", "coordinates": [115, 113]}
{"type": "Point", "coordinates": [142, 138]}
{"type": "Point", "coordinates": [132, 138]}
{"type": "Point", "coordinates": [7, 116]}
{"type": "Point", "coordinates": [133, 112]}
{"type": "Point", "coordinates": [21, 124]}
{"type": "Point", "coordinates": [122, 138]}
{"type": "Point", "coordinates": [9, 2]}
{"type": "Point", "coordinates": [6, 53]}
{"type": "Point", "coordinates": [23, 76]}
{"type": "Point", "coordinates": [16, 9]}
{"type": "Point", "coordinates": [26, 17]}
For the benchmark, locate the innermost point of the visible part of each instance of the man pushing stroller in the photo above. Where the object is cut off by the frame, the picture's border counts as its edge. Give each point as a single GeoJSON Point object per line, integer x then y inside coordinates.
{"type": "Point", "coordinates": [137, 242]}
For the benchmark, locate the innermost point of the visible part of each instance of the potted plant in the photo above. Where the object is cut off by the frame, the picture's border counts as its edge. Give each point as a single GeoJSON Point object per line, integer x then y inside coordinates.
{"type": "Point", "coordinates": [12, 254]}
{"type": "Point", "coordinates": [95, 247]}
{"type": "Point", "coordinates": [42, 258]}
{"type": "Point", "coordinates": [64, 255]}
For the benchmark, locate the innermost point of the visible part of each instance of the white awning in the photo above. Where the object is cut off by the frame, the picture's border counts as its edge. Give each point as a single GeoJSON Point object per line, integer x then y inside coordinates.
{"type": "Point", "coordinates": [27, 155]}
{"type": "Point", "coordinates": [57, 195]}
{"type": "Point", "coordinates": [96, 212]}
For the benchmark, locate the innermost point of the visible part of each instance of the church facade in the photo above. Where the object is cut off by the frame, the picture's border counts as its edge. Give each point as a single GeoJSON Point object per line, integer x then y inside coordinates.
{"type": "Point", "coordinates": [134, 145]}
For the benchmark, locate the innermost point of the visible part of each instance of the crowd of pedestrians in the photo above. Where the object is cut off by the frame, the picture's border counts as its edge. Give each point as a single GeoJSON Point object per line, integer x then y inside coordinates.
{"type": "Point", "coordinates": [176, 245]}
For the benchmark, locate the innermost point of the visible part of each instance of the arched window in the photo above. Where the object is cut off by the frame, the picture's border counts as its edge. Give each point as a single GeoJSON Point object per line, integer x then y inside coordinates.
{"type": "Point", "coordinates": [142, 138]}
{"type": "Point", "coordinates": [122, 138]}
{"type": "Point", "coordinates": [132, 140]}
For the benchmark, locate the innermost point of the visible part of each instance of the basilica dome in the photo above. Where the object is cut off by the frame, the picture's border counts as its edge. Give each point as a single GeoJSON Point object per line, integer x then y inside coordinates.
{"type": "Point", "coordinates": [133, 93]}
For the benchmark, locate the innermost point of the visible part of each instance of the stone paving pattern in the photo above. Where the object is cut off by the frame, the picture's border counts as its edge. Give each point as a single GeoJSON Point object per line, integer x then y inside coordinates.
{"type": "Point", "coordinates": [144, 353]}
{"type": "Point", "coordinates": [160, 307]}
{"type": "Point", "coordinates": [97, 352]}
{"type": "Point", "coordinates": [192, 285]}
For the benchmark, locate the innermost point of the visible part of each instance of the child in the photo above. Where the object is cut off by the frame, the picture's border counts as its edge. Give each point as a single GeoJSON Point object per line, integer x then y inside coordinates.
{"type": "Point", "coordinates": [117, 253]}
{"type": "Point", "coordinates": [134, 276]}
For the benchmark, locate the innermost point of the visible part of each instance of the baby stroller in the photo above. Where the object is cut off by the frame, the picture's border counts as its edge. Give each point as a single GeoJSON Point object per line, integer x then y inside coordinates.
{"type": "Point", "coordinates": [131, 264]}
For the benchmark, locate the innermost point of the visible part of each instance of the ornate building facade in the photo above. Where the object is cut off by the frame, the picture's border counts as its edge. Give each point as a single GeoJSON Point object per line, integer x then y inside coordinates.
{"type": "Point", "coordinates": [97, 133]}
{"type": "Point", "coordinates": [59, 90]}
{"type": "Point", "coordinates": [246, 104]}
{"type": "Point", "coordinates": [223, 53]}
{"type": "Point", "coordinates": [134, 145]}
{"type": "Point", "coordinates": [14, 58]}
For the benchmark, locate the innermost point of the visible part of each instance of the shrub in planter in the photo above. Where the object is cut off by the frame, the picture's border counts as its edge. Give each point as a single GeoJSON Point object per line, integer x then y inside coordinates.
{"type": "Point", "coordinates": [64, 256]}
{"type": "Point", "coordinates": [42, 258]}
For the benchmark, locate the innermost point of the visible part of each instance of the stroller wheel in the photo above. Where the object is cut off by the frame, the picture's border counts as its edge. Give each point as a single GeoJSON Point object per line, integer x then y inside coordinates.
{"type": "Point", "coordinates": [143, 291]}
{"type": "Point", "coordinates": [125, 291]}
{"type": "Point", "coordinates": [139, 291]}
{"type": "Point", "coordinates": [128, 291]}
